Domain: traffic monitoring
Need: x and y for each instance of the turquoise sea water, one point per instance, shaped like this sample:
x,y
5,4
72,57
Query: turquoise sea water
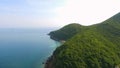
x,y
20,48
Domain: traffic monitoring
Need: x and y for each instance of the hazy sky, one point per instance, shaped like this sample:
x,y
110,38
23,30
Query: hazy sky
x,y
55,13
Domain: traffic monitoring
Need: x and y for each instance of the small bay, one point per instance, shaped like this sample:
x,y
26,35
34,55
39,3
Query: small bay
x,y
25,48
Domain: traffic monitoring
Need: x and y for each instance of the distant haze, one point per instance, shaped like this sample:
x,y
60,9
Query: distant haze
x,y
55,13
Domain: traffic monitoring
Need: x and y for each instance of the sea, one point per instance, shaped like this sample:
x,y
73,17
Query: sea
x,y
25,48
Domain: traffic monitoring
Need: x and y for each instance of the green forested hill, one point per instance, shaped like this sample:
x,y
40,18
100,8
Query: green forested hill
x,y
66,32
96,46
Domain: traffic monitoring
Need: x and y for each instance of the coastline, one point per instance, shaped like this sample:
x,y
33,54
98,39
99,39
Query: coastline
x,y
48,62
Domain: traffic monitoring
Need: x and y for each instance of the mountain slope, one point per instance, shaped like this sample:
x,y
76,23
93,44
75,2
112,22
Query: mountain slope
x,y
86,50
66,32
96,46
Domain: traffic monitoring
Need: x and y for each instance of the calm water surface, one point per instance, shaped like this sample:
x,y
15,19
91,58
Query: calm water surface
x,y
21,48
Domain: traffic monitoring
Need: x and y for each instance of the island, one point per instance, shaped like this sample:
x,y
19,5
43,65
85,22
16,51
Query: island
x,y
95,46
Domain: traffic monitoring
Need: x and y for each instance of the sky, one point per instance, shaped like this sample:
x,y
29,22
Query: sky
x,y
55,13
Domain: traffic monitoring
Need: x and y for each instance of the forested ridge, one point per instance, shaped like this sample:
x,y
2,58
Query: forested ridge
x,y
66,32
95,46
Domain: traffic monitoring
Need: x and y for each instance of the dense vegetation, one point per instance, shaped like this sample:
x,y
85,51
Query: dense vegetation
x,y
66,32
96,46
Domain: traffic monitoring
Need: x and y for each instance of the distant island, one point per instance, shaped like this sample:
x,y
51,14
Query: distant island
x,y
95,46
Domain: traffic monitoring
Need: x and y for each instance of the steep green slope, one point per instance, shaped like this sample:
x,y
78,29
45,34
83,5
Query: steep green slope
x,y
66,32
111,29
96,46
86,50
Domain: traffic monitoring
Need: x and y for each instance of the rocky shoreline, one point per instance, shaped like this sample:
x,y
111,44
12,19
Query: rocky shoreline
x,y
48,63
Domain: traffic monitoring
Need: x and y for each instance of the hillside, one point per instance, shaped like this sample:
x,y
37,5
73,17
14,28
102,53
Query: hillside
x,y
66,32
96,46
